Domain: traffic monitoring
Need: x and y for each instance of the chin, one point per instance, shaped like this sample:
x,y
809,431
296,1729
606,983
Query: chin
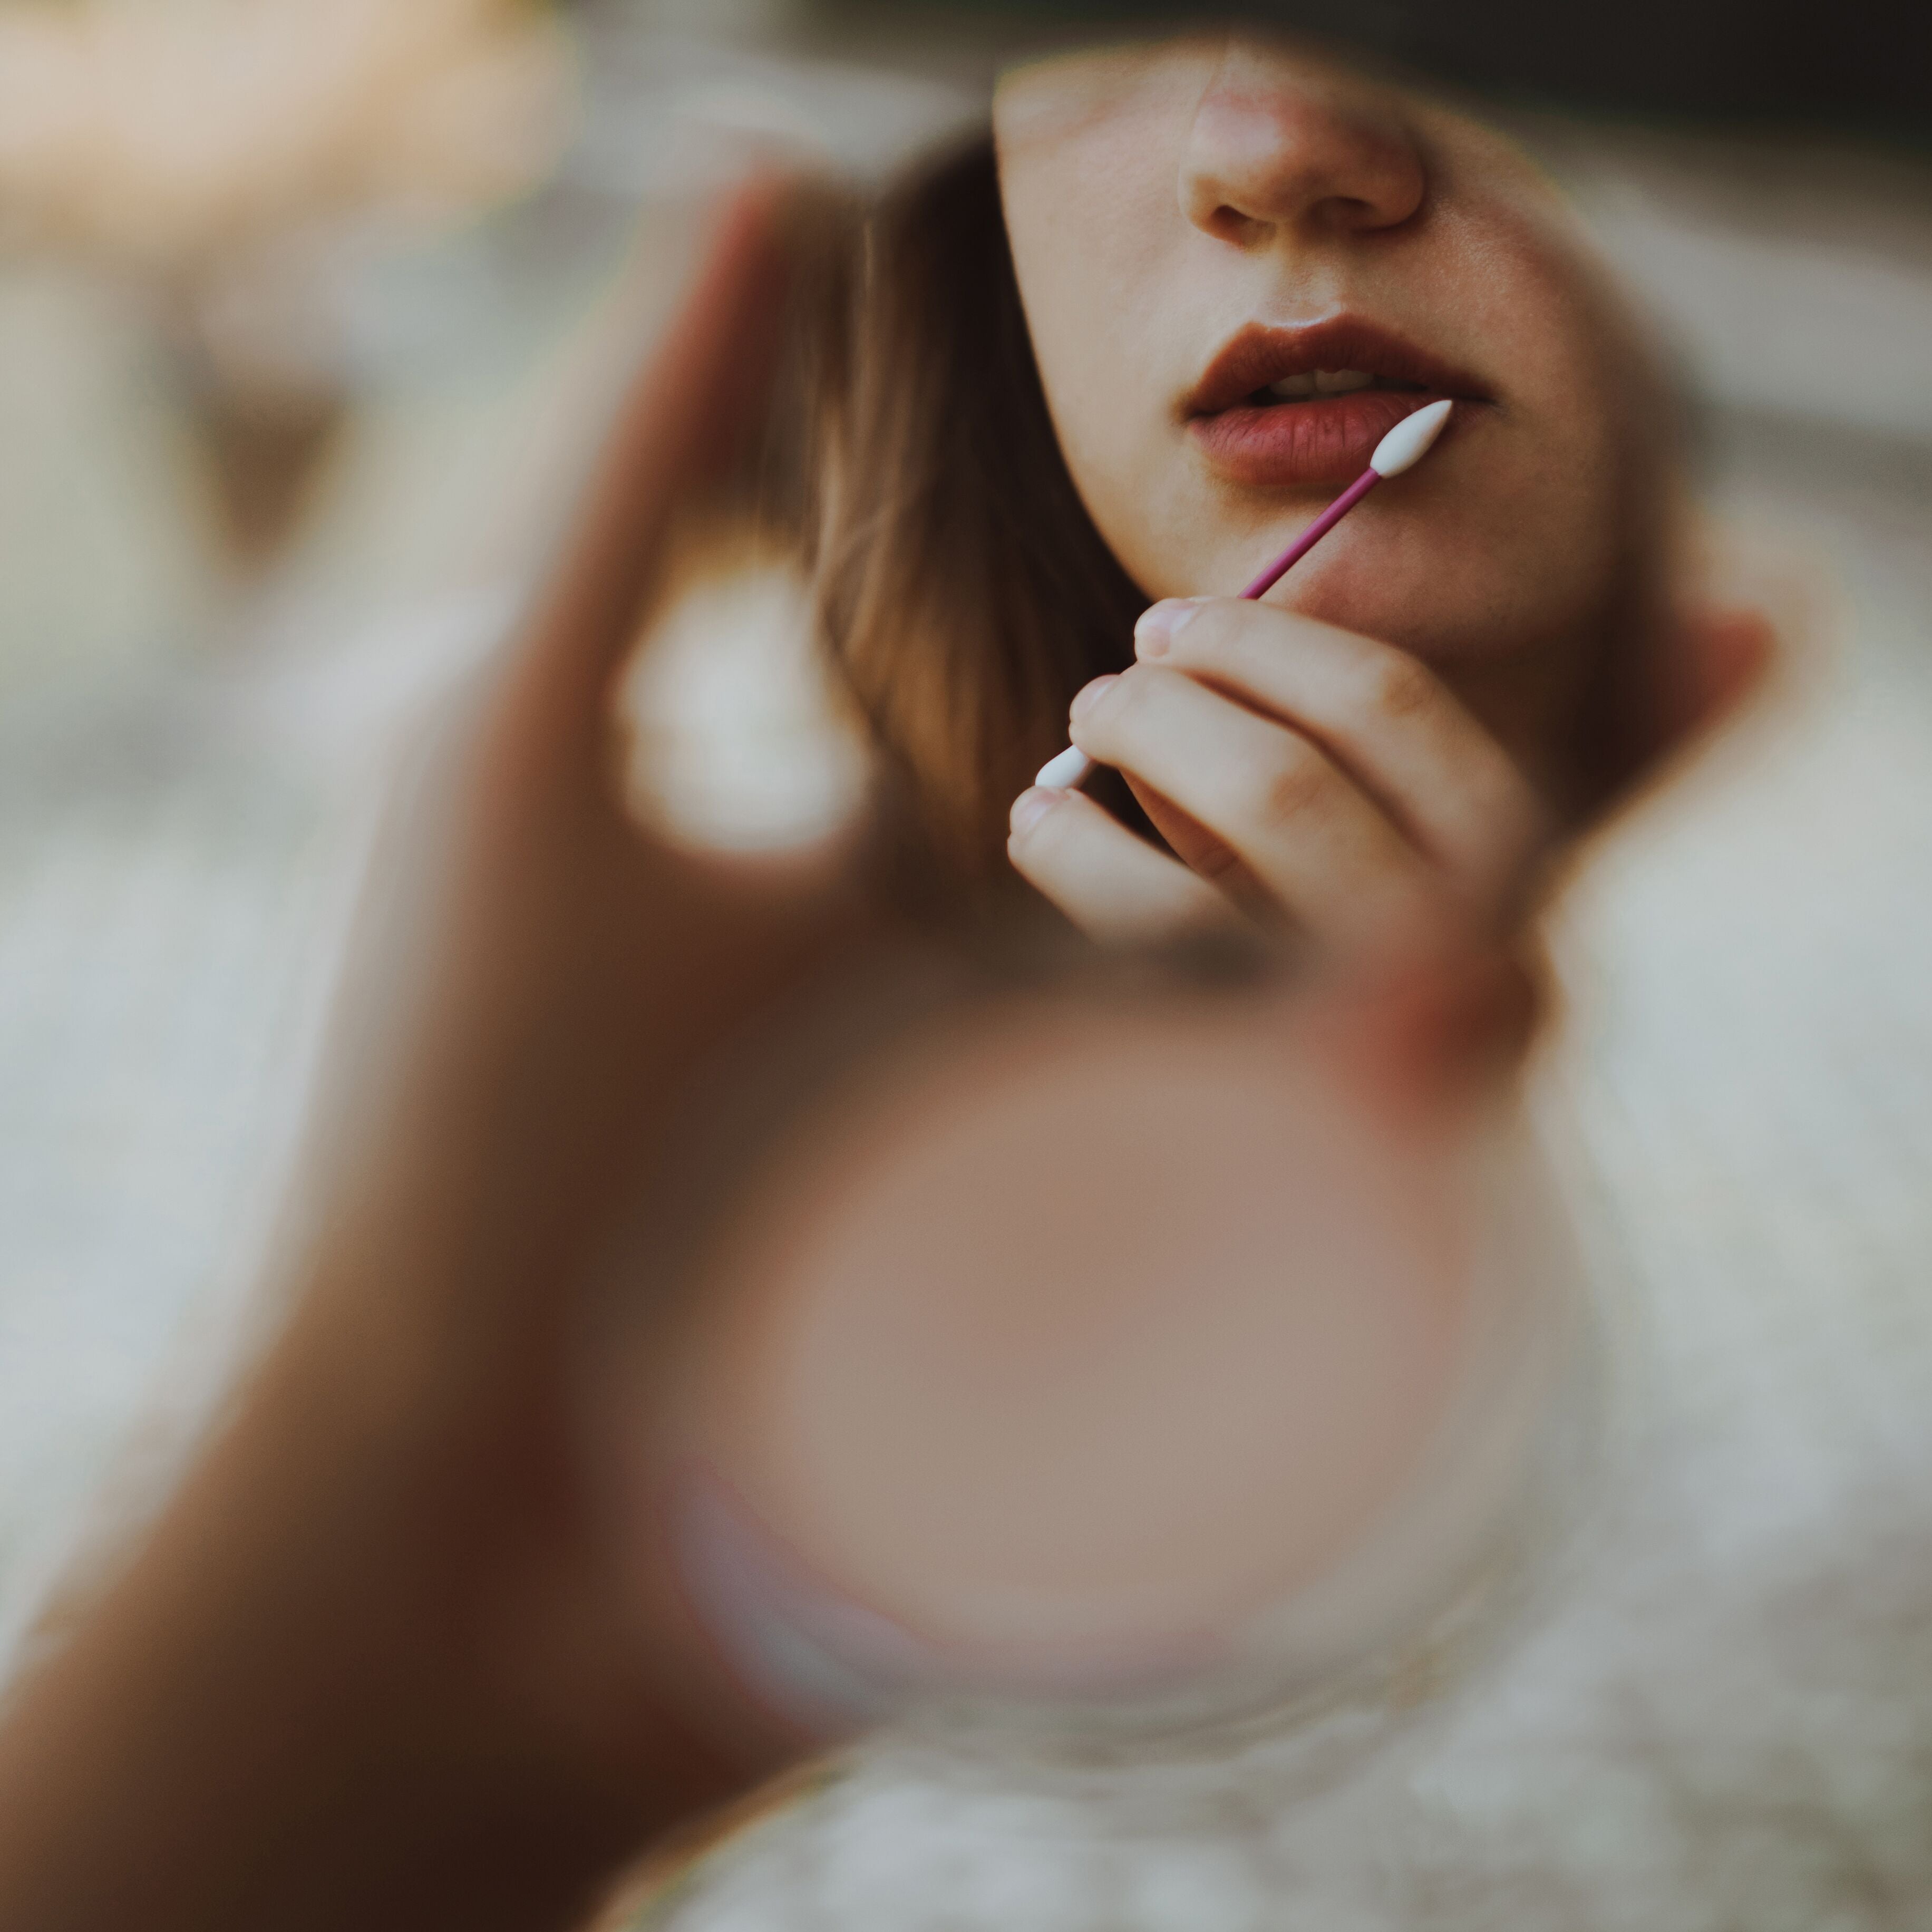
x,y
1444,601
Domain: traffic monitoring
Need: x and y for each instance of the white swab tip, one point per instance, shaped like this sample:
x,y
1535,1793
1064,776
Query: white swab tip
x,y
1408,442
1063,772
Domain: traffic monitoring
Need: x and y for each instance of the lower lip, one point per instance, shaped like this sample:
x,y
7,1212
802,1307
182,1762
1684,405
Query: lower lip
x,y
1328,440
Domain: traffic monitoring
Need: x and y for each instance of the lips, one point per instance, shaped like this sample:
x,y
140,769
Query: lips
x,y
1252,438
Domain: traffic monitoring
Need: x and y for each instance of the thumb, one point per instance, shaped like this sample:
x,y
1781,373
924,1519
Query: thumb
x,y
703,395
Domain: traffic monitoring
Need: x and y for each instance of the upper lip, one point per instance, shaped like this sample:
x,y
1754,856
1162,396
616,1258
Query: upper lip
x,y
1260,353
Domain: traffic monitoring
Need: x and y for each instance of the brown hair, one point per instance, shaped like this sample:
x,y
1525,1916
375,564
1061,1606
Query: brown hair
x,y
963,592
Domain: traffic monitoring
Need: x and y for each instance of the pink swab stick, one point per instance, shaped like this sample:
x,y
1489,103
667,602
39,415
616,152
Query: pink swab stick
x,y
1405,446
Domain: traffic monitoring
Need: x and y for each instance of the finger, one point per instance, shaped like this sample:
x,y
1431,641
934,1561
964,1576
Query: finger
x,y
1210,855
1271,797
681,425
1114,886
1381,713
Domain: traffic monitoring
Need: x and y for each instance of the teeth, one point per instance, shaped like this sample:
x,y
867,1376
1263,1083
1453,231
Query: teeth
x,y
1320,382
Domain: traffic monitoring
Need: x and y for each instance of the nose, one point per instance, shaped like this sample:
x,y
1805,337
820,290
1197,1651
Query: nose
x,y
1276,146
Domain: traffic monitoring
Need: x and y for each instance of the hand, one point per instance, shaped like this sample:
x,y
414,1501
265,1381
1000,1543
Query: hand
x,y
1300,775
371,1667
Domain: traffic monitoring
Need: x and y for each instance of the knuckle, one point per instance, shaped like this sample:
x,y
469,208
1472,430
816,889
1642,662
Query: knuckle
x,y
1122,710
1217,862
1213,621
1221,631
1399,686
1295,783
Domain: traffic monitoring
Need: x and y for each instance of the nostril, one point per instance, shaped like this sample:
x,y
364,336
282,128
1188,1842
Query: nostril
x,y
1268,151
1227,223
1348,213
1204,205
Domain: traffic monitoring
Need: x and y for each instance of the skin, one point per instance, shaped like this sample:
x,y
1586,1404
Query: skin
x,y
1379,748
372,1666
381,1662
1048,1444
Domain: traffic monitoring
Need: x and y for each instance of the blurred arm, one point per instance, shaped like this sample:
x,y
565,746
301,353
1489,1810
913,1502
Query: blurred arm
x,y
368,1669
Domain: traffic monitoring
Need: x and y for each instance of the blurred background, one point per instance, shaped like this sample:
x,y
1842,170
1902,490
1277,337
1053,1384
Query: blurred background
x,y
311,311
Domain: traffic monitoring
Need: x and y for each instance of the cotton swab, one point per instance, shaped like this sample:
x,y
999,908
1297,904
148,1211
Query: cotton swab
x,y
1405,446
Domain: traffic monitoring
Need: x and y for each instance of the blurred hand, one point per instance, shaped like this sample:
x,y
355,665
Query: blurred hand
x,y
370,1669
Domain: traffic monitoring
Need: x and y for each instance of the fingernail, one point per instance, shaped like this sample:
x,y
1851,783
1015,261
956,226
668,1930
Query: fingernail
x,y
1031,807
1065,770
1088,695
1159,622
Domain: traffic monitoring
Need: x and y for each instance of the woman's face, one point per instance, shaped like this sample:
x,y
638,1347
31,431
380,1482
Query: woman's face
x,y
1241,265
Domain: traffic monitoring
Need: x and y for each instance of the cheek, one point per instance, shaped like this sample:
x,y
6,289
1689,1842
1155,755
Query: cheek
x,y
1544,511
1096,235
1501,556
1512,539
